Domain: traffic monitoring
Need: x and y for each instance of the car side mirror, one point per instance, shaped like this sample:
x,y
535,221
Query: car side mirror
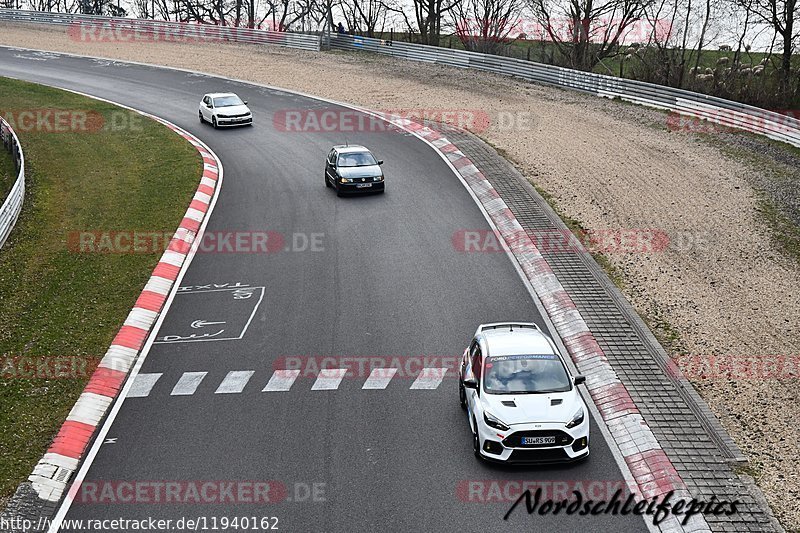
x,y
380,161
245,102
471,383
580,379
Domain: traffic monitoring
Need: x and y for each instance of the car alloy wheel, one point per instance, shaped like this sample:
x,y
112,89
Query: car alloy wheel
x,y
327,183
214,122
200,114
462,396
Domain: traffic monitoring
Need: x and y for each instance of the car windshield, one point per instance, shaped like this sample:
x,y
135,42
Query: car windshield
x,y
227,101
525,374
356,159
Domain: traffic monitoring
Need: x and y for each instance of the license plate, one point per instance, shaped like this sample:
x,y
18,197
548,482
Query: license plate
x,y
363,185
538,440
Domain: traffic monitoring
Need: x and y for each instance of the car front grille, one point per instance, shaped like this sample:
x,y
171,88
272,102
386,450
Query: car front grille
x,y
515,439
538,456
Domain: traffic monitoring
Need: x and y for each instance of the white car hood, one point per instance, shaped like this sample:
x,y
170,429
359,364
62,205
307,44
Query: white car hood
x,y
533,408
232,110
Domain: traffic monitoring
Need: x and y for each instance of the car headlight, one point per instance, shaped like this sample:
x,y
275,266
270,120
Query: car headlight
x,y
377,178
577,420
347,180
494,422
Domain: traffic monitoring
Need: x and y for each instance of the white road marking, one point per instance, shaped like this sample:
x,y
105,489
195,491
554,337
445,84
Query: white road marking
x,y
329,379
234,382
187,385
142,385
281,380
379,378
429,378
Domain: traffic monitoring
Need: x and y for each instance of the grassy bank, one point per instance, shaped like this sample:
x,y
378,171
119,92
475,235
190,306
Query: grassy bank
x,y
7,173
119,172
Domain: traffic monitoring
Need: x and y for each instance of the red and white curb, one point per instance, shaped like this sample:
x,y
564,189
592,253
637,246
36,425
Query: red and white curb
x,y
652,470
53,472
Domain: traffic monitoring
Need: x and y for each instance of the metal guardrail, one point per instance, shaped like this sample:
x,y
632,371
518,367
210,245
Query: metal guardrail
x,y
686,103
94,28
12,205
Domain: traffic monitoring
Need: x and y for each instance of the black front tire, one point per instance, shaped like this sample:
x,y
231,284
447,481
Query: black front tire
x,y
202,120
476,441
462,396
327,183
214,122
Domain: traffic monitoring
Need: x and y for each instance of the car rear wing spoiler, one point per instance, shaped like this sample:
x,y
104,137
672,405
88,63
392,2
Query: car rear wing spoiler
x,y
510,325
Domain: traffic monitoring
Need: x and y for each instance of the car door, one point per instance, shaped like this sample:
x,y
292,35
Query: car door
x,y
474,371
204,108
330,169
209,107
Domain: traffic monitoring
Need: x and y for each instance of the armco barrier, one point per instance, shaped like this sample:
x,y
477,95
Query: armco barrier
x,y
12,205
95,28
717,110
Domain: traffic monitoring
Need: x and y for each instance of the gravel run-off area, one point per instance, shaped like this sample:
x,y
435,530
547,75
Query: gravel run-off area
x,y
721,289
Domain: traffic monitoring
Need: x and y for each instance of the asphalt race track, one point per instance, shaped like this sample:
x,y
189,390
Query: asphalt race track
x,y
386,281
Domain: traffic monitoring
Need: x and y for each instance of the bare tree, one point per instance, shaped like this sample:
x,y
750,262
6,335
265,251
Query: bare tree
x,y
595,27
428,18
365,16
781,16
487,25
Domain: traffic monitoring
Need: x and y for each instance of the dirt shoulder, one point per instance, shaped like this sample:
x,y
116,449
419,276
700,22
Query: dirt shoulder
x,y
722,287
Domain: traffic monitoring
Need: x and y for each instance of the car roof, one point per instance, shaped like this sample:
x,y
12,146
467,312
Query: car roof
x,y
516,341
350,148
219,95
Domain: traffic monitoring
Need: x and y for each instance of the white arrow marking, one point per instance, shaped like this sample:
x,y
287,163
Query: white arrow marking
x,y
197,324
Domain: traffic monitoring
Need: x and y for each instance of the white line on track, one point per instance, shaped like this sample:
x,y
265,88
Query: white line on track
x,y
281,381
142,385
379,378
187,385
234,382
429,378
329,379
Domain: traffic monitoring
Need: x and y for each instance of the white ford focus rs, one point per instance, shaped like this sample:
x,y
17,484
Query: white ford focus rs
x,y
522,403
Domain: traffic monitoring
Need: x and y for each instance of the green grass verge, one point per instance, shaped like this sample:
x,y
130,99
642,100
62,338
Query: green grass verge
x,y
774,175
8,173
59,303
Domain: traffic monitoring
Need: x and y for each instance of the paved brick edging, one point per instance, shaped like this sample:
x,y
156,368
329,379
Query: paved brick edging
x,y
53,472
652,469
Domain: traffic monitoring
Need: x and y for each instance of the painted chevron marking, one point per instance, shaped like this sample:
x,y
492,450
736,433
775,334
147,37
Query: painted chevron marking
x,y
281,381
